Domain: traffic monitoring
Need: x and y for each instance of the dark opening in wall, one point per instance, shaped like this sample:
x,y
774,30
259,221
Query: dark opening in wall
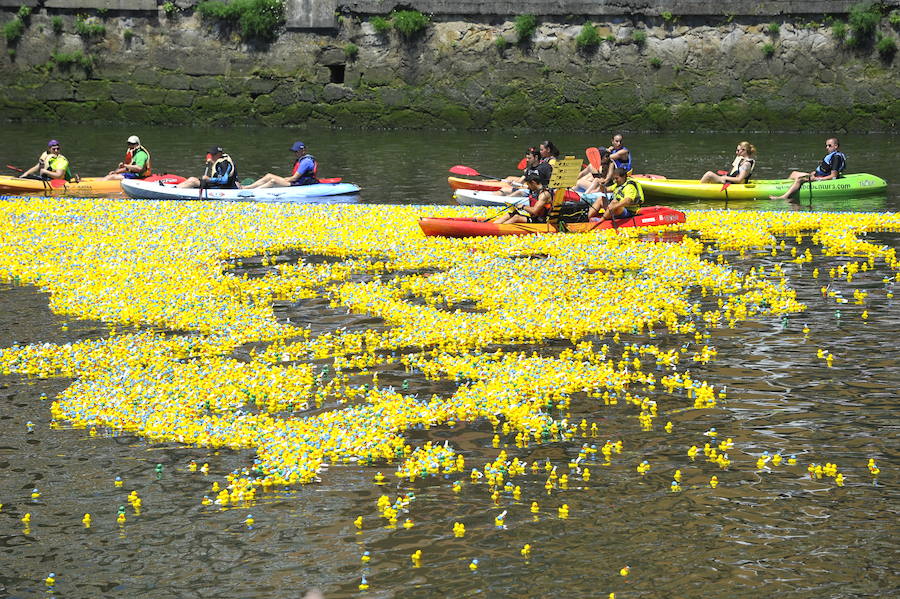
x,y
337,72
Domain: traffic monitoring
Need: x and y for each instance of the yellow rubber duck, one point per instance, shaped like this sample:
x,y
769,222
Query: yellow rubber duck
x,y
26,519
35,494
363,584
839,479
365,557
534,507
776,459
118,482
525,551
121,518
675,487
692,452
714,482
677,476
407,524
473,565
625,571
51,579
249,520
379,478
416,558
358,523
792,461
86,520
563,511
669,426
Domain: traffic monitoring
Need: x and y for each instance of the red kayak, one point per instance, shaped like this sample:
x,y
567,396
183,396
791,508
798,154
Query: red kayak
x,y
649,216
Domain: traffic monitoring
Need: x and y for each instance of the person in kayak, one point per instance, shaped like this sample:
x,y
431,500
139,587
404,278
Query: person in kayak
x,y
50,165
740,170
220,172
539,201
626,201
533,164
136,164
549,152
620,155
593,180
302,173
831,167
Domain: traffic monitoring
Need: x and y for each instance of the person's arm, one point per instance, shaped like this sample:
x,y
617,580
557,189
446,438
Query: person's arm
x,y
31,171
222,178
621,155
538,207
59,172
137,163
742,175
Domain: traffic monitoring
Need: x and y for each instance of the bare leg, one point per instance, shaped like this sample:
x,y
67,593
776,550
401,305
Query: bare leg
x,y
798,181
189,182
269,180
711,177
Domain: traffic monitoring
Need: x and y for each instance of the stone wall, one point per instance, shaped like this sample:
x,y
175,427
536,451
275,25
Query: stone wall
x,y
720,72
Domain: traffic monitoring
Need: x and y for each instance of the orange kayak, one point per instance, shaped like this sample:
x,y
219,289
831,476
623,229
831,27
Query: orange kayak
x,y
495,185
649,216
88,186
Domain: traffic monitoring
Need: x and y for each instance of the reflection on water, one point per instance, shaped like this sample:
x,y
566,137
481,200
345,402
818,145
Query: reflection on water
x,y
760,533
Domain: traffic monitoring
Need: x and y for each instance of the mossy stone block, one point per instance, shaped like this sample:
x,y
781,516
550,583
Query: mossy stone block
x,y
179,98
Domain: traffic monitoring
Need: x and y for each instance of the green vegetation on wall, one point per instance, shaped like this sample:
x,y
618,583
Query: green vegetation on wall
x,y
588,38
525,27
256,19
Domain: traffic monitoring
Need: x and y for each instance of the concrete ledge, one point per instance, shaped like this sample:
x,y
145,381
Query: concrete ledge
x,y
310,14
118,5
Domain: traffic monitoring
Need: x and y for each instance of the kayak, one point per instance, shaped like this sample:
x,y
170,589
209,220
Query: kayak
x,y
649,216
496,185
848,186
158,191
469,197
87,186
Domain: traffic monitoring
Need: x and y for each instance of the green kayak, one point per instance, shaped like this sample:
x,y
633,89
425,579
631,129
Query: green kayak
x,y
848,186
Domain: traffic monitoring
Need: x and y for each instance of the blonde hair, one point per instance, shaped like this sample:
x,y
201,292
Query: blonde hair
x,y
748,147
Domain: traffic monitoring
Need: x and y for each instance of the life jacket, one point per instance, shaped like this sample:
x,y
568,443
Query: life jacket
x,y
626,165
533,197
637,201
222,166
48,161
129,156
306,179
738,163
835,161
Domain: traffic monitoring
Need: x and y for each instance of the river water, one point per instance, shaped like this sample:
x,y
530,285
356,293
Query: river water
x,y
766,533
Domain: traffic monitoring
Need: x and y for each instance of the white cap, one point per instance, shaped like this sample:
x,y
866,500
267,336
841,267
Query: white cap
x,y
134,139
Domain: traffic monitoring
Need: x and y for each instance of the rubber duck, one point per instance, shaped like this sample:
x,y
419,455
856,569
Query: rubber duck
x,y
358,523
500,520
459,529
159,471
204,469
206,500
408,523
677,476
675,487
643,467
51,579
692,452
121,518
473,565
563,511
86,520
714,482
416,558
776,459
839,479
30,426
363,584
711,433
365,557
586,474
669,426
35,494
379,478
215,487
792,461
249,520
118,482
534,507
873,467
26,519
525,551
625,571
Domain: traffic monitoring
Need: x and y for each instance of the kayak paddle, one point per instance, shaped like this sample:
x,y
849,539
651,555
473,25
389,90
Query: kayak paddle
x,y
15,168
522,164
725,189
593,156
470,172
331,180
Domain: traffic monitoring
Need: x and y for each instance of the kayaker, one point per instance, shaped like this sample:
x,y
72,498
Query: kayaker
x,y
302,173
593,180
539,200
220,172
50,165
626,201
620,155
533,164
136,164
830,168
740,170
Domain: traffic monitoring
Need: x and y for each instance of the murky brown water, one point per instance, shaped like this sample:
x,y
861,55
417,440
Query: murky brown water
x,y
759,534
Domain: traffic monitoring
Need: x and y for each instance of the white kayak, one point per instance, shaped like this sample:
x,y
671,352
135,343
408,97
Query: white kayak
x,y
318,192
470,197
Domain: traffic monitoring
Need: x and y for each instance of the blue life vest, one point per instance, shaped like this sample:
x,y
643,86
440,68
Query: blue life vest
x,y
307,167
626,165
836,161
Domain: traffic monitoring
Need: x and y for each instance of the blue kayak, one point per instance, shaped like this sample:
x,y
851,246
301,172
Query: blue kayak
x,y
144,190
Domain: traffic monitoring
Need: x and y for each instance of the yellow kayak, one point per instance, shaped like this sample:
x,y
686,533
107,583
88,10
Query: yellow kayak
x,y
88,186
848,186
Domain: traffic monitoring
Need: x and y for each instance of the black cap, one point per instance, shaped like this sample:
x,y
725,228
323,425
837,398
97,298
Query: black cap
x,y
216,150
